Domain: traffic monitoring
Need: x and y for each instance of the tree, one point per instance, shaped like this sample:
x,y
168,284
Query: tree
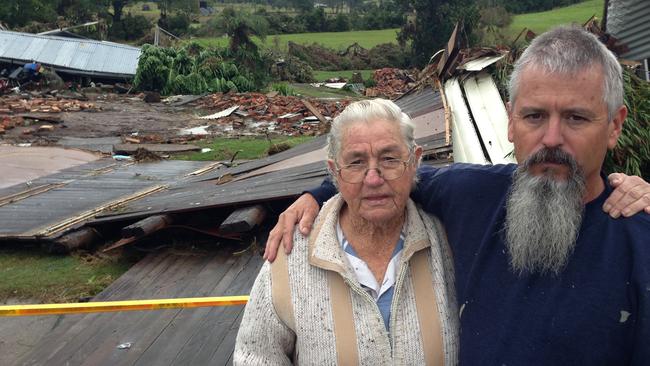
x,y
79,11
183,6
19,13
118,9
316,20
241,26
433,24
302,6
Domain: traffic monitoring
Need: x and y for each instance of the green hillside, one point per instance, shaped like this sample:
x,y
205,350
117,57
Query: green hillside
x,y
542,21
336,40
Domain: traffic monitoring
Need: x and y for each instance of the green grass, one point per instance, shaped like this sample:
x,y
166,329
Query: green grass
x,y
543,21
31,274
324,75
335,40
251,148
307,90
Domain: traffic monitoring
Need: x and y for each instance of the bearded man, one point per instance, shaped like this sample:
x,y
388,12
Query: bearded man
x,y
543,275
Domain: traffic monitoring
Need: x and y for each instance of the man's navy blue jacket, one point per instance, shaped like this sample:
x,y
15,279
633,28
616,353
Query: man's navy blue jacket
x,y
595,312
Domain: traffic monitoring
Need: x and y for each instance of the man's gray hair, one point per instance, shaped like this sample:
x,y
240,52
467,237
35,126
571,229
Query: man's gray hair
x,y
569,50
366,111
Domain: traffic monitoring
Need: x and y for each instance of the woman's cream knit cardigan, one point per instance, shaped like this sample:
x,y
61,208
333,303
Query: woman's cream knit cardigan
x,y
263,338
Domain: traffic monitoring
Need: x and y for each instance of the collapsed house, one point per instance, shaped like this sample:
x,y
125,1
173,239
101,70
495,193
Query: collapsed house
x,y
71,56
459,115
126,203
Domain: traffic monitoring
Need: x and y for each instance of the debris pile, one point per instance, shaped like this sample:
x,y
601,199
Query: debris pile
x,y
18,104
271,112
390,83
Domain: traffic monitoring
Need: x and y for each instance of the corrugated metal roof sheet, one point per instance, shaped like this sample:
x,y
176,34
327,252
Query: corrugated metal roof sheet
x,y
416,103
480,63
490,116
274,185
467,144
79,56
77,192
629,21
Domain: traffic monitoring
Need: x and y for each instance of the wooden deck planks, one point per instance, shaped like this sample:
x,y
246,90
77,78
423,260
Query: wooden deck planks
x,y
161,337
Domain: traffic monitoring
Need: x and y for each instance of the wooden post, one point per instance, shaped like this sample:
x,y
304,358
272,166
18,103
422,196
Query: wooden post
x,y
78,239
441,90
243,219
147,226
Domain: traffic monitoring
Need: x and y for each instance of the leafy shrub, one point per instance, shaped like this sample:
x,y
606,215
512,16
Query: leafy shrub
x,y
154,67
388,55
172,71
284,89
182,64
369,83
188,84
632,153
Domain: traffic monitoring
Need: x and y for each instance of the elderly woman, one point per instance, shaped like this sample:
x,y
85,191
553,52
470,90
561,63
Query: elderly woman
x,y
363,288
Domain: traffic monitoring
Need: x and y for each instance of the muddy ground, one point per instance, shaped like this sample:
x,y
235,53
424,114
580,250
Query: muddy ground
x,y
114,115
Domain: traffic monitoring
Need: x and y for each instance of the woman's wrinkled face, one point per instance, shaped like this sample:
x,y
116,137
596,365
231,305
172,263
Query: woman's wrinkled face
x,y
375,199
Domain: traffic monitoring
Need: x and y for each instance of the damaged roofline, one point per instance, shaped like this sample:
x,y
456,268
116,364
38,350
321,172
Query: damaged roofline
x,y
65,70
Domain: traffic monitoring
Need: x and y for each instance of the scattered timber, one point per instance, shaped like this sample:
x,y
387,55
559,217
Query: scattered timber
x,y
157,148
78,239
147,226
243,219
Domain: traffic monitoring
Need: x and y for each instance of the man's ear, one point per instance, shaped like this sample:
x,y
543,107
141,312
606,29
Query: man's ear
x,y
510,131
418,155
616,127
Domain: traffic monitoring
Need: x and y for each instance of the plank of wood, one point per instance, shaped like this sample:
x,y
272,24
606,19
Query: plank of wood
x,y
314,111
42,117
199,344
221,329
181,329
157,148
243,219
224,352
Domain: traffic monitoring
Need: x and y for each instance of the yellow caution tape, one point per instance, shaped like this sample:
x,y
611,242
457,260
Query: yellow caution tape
x,y
130,305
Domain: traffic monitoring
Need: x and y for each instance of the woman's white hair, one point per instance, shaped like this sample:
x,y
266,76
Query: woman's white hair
x,y
367,111
570,50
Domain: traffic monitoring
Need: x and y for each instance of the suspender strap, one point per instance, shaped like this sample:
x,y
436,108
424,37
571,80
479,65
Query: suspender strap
x,y
344,333
280,291
427,307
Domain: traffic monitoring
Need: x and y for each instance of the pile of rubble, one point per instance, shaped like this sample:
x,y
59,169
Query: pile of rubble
x,y
288,115
39,114
390,83
18,104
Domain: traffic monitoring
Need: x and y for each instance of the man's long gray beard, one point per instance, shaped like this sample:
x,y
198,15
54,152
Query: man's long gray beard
x,y
544,215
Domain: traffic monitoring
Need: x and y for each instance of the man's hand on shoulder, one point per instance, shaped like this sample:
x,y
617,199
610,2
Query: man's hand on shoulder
x,y
631,195
303,212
